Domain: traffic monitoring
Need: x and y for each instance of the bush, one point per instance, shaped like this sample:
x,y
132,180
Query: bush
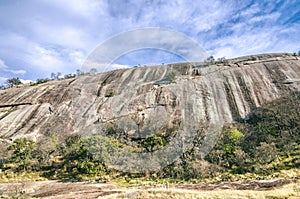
x,y
226,149
110,94
88,155
39,81
22,153
231,138
68,76
13,82
152,143
266,153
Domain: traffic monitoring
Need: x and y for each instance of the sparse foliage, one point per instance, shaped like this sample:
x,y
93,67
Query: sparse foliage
x,y
41,81
79,72
152,143
93,71
210,59
13,82
69,76
110,94
55,75
22,152
221,59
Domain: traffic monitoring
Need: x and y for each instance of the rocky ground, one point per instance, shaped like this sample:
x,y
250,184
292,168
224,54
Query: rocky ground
x,y
278,188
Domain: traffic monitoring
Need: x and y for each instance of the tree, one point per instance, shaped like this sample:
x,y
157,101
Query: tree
x,y
225,152
41,81
221,59
231,137
53,76
93,71
13,82
2,87
88,155
69,76
58,74
152,143
22,152
210,59
79,72
266,153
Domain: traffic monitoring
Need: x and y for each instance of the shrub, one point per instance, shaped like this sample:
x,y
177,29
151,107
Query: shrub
x,y
210,59
22,153
231,138
39,81
266,153
110,94
68,76
152,143
13,82
88,155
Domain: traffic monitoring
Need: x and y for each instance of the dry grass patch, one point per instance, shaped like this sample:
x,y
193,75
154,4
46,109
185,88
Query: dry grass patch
x,y
288,191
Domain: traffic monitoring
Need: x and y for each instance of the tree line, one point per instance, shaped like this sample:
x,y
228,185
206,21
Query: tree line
x,y
16,81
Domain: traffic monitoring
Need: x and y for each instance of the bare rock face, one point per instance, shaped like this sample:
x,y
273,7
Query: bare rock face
x,y
147,100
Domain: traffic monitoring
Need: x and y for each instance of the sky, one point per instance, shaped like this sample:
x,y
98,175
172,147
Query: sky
x,y
38,37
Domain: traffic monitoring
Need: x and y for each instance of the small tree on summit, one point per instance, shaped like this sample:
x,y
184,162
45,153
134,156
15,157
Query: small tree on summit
x,y
55,75
93,71
210,59
13,82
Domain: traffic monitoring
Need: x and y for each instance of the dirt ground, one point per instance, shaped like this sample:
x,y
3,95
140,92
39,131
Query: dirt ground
x,y
77,190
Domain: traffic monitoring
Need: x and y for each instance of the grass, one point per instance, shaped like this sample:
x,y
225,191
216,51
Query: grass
x,y
9,176
287,191
7,110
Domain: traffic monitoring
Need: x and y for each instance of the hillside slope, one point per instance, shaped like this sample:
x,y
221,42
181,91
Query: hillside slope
x,y
148,100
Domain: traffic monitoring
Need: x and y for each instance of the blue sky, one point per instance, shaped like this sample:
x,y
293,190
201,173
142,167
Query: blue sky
x,y
38,37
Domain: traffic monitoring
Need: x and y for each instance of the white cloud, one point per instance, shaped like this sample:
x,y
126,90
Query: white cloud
x,y
85,8
118,66
3,80
77,57
249,12
101,67
25,81
273,17
52,36
5,68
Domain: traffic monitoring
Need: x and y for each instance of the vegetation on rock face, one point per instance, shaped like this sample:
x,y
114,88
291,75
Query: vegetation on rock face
x,y
110,94
210,60
168,79
13,82
152,143
264,143
22,153
39,81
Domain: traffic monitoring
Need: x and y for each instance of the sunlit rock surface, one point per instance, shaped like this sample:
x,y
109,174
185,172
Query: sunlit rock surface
x,y
148,100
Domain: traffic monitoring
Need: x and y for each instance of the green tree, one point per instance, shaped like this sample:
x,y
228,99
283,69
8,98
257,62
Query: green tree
x,y
231,138
266,153
227,152
13,82
152,143
87,156
210,59
93,71
22,152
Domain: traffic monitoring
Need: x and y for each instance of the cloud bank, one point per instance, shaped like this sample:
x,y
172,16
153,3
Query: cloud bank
x,y
40,37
